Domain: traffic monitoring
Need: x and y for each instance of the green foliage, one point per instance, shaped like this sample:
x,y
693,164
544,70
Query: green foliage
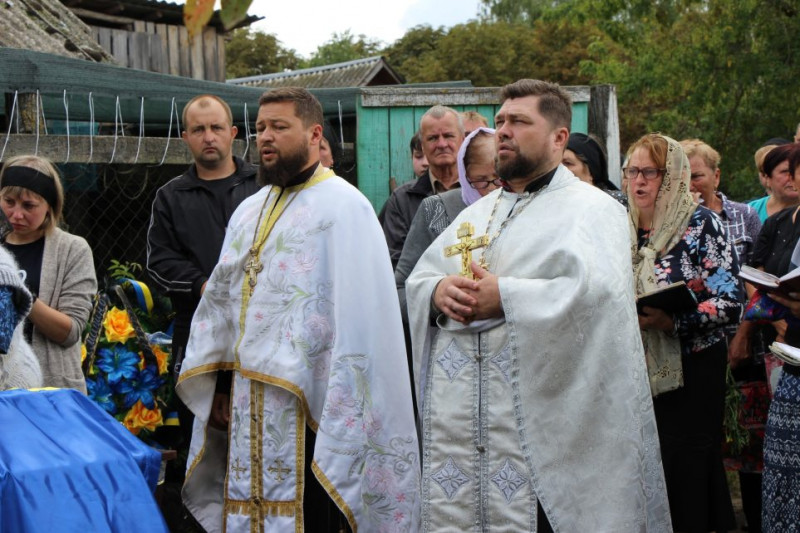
x,y
343,47
250,53
719,70
414,55
127,269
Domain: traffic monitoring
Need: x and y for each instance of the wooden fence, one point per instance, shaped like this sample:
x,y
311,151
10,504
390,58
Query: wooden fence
x,y
166,48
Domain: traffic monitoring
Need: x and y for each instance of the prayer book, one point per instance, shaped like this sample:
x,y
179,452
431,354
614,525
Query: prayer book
x,y
786,353
674,298
769,283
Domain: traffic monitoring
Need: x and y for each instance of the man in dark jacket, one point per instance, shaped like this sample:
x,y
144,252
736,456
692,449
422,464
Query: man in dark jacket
x,y
442,132
190,214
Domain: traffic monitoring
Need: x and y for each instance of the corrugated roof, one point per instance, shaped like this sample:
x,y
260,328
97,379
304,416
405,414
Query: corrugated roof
x,y
47,26
365,72
149,10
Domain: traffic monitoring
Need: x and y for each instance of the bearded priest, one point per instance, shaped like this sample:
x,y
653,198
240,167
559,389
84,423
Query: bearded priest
x,y
295,362
536,411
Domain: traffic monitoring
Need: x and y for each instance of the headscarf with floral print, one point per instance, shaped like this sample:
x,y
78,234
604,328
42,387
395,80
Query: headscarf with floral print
x,y
674,208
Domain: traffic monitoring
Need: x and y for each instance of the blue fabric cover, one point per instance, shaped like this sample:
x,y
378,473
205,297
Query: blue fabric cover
x,y
67,466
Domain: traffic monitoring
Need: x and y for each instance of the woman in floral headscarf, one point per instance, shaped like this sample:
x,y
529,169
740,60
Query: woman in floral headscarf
x,y
674,239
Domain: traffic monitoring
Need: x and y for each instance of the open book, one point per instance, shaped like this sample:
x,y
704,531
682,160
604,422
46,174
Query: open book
x,y
786,353
674,298
769,283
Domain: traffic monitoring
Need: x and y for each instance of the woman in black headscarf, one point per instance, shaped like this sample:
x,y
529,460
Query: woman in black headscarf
x,y
585,158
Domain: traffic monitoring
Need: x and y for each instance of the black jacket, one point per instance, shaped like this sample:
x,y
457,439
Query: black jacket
x,y
187,228
399,211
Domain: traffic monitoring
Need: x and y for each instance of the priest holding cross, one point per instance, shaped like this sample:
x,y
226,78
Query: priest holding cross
x,y
536,411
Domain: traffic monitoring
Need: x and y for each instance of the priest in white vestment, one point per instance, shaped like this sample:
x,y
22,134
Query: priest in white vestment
x,y
302,311
536,411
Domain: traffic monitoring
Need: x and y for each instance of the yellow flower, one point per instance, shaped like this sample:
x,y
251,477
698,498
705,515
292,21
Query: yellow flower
x,y
83,353
162,357
140,417
118,325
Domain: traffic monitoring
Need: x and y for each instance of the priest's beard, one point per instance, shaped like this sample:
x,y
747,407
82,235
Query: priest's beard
x,y
521,167
285,167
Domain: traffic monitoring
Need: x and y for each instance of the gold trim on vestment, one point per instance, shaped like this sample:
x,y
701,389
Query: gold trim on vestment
x,y
256,457
199,456
300,466
286,385
262,507
335,496
204,369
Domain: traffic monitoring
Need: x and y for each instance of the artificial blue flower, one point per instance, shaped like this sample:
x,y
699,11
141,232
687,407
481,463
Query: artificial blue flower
x,y
142,386
101,393
118,363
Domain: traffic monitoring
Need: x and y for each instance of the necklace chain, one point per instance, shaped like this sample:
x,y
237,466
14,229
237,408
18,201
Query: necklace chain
x,y
515,210
254,264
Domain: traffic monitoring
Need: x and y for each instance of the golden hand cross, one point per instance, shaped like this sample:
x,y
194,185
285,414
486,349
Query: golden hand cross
x,y
465,247
253,267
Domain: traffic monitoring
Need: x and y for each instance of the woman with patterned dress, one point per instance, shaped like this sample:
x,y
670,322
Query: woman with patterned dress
x,y
674,239
776,252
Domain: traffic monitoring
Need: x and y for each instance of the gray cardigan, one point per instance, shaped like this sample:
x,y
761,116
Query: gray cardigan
x,y
435,213
68,284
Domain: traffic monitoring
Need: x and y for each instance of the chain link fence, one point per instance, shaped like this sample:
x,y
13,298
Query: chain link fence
x,y
109,206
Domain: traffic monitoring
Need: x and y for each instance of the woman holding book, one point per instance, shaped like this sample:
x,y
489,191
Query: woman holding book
x,y
776,253
674,239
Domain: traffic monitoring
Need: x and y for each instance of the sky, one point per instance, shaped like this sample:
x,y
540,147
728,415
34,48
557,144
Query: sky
x,y
303,25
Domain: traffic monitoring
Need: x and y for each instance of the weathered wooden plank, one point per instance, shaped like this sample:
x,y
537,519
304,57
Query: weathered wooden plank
x,y
427,97
210,70
54,147
158,58
173,48
139,49
119,47
488,111
418,112
221,63
372,152
196,62
580,117
104,38
139,26
184,52
604,124
150,27
401,128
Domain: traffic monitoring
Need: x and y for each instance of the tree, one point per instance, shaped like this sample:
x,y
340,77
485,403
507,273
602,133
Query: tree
x,y
343,47
719,70
250,53
495,53
414,54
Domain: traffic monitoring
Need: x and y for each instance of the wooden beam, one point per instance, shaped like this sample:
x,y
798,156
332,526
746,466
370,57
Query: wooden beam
x,y
87,14
54,148
414,97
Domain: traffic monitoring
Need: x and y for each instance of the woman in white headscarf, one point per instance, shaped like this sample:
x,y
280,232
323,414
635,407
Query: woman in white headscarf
x,y
477,177
674,239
